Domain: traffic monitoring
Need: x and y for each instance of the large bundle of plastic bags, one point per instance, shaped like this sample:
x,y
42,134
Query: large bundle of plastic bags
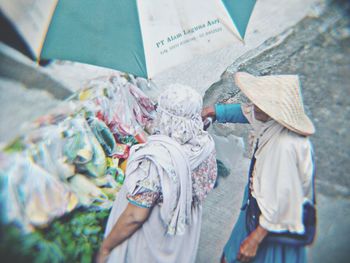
x,y
76,155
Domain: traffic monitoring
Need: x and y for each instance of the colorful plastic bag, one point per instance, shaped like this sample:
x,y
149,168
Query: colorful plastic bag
x,y
83,149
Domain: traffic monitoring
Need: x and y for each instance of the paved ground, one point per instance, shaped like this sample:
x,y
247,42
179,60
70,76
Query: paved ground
x,y
38,101
26,92
222,205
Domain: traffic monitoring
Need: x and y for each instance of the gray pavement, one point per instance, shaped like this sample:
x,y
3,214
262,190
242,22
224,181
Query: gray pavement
x,y
34,103
222,205
26,92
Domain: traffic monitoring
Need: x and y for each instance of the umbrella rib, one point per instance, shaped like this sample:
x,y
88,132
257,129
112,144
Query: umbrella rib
x,y
140,63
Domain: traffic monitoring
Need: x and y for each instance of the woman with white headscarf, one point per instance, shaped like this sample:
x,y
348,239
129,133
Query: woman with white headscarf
x,y
281,171
157,214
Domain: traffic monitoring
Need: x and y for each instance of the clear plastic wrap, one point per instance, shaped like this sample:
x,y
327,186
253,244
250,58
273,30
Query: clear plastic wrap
x,y
82,148
30,195
48,152
88,193
61,162
120,104
103,135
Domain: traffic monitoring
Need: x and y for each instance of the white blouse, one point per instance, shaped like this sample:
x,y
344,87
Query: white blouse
x,y
282,176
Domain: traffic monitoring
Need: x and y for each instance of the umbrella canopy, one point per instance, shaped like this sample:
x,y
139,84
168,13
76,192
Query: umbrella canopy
x,y
143,37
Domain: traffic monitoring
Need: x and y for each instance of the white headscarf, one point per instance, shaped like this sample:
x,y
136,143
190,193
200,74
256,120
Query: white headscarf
x,y
262,131
179,117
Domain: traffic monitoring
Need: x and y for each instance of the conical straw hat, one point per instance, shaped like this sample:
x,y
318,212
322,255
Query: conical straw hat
x,y
278,96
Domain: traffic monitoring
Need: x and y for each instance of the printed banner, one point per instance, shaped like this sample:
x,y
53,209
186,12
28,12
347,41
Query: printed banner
x,y
175,31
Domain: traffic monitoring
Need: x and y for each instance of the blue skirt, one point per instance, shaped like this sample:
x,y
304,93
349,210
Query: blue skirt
x,y
267,253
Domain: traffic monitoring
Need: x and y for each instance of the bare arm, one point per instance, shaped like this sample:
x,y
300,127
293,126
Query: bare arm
x,y
128,223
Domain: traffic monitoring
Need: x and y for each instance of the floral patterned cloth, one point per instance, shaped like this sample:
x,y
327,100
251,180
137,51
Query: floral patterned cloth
x,y
149,192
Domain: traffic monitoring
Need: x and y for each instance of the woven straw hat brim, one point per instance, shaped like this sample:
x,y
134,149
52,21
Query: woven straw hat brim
x,y
278,96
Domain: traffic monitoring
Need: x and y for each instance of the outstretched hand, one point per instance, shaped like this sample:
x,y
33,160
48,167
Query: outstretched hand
x,y
209,112
208,116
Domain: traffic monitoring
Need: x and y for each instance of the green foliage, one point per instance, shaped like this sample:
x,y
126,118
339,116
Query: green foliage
x,y
15,146
75,237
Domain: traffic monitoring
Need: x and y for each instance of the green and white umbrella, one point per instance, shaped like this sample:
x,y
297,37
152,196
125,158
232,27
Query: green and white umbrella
x,y
142,37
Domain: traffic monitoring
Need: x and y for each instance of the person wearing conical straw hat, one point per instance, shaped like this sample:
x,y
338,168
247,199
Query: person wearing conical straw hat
x,y
281,171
